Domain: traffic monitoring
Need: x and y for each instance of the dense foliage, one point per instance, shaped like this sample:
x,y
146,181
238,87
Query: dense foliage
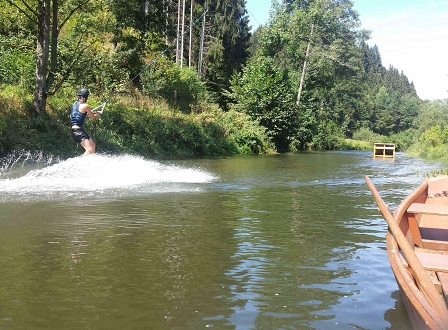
x,y
307,80
340,82
129,125
432,130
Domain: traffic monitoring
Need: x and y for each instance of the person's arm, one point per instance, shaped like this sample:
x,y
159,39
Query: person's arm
x,y
86,109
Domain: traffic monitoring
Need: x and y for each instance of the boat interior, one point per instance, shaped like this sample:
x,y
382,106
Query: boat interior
x,y
426,229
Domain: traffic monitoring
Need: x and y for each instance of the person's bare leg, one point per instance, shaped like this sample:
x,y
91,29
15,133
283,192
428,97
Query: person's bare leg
x,y
89,146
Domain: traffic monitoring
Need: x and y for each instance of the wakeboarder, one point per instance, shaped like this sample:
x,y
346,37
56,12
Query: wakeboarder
x,y
80,110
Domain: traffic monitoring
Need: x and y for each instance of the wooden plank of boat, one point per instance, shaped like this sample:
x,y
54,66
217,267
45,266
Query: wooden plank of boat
x,y
431,261
425,306
428,209
435,280
443,278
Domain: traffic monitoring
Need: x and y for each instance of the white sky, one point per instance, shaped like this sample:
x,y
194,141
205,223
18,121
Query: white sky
x,y
412,35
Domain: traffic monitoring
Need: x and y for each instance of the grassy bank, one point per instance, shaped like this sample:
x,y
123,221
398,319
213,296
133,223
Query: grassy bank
x,y
135,125
351,144
142,126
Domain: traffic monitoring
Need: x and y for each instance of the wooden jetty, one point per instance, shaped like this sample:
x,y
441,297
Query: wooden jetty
x,y
384,150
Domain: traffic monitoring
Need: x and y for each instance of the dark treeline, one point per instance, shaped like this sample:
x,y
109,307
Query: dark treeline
x,y
308,77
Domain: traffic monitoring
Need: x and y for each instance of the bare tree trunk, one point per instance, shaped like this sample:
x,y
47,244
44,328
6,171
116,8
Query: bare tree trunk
x,y
191,33
178,28
42,54
302,79
54,46
177,47
166,21
201,48
182,40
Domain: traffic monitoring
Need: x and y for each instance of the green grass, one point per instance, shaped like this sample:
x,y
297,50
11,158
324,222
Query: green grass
x,y
351,144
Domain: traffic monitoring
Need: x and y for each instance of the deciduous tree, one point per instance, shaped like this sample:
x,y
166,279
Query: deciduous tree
x,y
49,17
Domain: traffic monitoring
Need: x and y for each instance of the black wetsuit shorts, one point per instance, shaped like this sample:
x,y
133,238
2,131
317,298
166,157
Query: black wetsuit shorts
x,y
79,134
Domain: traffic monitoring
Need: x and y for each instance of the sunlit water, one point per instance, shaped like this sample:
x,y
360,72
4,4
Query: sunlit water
x,y
265,242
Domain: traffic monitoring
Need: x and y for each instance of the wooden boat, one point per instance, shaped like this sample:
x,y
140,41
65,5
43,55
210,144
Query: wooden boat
x,y
417,247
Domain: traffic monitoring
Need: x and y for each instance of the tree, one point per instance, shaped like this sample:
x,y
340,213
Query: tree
x,y
320,34
141,31
384,122
432,113
228,43
49,18
17,49
262,92
316,41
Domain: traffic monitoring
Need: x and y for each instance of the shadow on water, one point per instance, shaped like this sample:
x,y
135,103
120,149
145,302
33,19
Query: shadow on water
x,y
397,316
290,241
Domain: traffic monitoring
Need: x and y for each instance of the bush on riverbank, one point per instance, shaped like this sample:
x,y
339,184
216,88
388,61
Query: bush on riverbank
x,y
364,138
134,124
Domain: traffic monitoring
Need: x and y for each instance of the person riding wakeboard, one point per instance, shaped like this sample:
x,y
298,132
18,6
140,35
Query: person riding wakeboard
x,y
80,110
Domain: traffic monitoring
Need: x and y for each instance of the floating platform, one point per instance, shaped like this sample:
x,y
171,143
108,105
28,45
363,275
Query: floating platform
x,y
384,150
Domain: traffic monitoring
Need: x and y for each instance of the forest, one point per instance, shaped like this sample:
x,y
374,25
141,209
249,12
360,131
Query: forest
x,y
193,78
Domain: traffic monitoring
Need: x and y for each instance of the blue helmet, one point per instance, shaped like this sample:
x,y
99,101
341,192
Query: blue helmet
x,y
84,92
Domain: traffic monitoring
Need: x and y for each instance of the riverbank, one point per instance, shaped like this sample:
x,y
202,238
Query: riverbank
x,y
141,126
134,125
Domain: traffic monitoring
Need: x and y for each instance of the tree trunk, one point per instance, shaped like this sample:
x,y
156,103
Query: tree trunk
x,y
191,33
178,28
201,47
302,79
54,46
42,52
182,36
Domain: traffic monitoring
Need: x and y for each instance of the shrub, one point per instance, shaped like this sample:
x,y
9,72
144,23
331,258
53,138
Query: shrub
x,y
163,78
365,134
404,140
329,136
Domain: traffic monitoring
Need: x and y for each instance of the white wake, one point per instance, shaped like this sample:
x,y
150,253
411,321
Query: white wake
x,y
103,173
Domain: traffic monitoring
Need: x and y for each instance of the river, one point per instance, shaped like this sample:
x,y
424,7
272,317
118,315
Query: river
x,y
291,241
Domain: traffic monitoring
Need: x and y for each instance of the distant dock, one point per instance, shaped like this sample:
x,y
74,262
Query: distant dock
x,y
384,150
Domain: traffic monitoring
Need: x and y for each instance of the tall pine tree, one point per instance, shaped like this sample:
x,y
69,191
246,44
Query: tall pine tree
x,y
228,43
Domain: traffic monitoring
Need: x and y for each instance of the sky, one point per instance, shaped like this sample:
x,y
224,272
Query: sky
x,y
411,35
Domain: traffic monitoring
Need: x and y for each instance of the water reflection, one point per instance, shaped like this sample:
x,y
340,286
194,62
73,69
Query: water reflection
x,y
248,273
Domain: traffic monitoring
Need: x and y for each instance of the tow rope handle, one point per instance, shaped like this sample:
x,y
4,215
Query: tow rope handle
x,y
102,106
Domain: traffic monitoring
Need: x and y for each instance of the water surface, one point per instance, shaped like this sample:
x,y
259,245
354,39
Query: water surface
x,y
289,241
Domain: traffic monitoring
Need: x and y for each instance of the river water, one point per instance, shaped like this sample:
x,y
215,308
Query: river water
x,y
291,241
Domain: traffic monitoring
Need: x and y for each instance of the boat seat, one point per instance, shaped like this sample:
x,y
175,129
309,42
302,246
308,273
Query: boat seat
x,y
433,261
433,209
428,224
436,262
